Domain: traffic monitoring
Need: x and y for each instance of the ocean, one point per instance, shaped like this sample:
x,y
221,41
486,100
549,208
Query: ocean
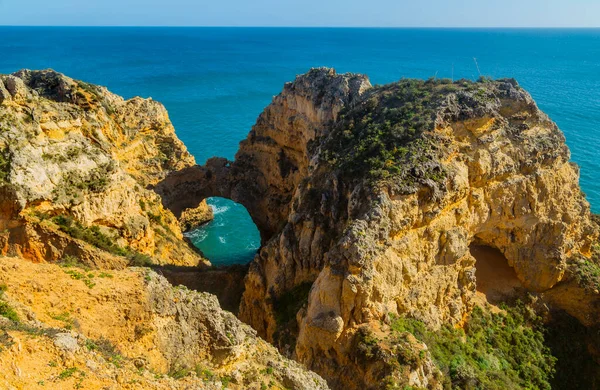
x,y
216,81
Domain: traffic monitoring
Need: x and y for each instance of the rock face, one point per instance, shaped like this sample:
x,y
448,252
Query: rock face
x,y
274,158
191,218
76,164
368,200
129,329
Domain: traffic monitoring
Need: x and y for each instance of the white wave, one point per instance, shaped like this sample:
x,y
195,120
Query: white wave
x,y
252,246
222,239
197,235
219,209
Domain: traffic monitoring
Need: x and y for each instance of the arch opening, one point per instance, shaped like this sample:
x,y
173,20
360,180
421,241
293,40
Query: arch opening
x,y
230,238
496,280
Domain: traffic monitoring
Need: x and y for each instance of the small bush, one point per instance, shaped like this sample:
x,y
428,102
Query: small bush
x,y
382,136
8,312
69,261
94,236
179,373
587,271
290,302
69,372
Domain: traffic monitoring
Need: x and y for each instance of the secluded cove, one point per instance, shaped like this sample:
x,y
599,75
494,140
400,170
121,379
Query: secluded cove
x,y
230,238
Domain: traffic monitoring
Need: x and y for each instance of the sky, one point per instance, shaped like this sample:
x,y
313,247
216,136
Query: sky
x,y
309,13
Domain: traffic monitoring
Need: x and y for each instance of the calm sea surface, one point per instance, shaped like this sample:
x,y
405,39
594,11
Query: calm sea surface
x,y
215,82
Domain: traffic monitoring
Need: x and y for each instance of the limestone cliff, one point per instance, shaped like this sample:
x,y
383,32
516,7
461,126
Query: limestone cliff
x,y
369,199
77,162
78,165
274,158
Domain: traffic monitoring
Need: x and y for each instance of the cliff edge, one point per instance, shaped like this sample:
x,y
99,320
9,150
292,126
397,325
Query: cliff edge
x,y
77,164
375,205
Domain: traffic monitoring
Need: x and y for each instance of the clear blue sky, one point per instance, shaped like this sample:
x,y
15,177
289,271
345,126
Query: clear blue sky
x,y
379,13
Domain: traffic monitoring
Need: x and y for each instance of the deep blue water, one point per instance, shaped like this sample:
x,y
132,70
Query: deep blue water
x,y
215,81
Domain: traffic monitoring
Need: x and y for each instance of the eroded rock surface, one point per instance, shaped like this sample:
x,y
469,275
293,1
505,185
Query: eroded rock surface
x,y
128,329
274,158
76,164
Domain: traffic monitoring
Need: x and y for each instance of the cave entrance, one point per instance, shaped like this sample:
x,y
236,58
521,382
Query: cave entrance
x,y
496,280
230,238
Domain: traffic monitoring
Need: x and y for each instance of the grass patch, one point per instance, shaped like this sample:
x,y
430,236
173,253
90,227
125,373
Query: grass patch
x,y
6,310
107,350
94,236
69,261
69,372
85,278
65,318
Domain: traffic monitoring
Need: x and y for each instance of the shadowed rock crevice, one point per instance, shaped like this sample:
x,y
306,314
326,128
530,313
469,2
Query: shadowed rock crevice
x,y
495,278
227,283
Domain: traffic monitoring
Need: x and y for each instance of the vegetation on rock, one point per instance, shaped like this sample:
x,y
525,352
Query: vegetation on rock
x,y
503,350
384,136
94,236
286,308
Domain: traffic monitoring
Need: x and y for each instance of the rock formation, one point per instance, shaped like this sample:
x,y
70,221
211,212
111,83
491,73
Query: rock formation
x,y
127,329
274,158
376,206
76,164
369,198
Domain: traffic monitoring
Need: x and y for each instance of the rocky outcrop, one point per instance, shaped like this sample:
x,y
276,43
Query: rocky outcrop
x,y
76,164
194,217
368,200
128,329
274,158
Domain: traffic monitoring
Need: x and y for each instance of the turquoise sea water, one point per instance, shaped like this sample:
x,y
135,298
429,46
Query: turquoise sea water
x,y
215,81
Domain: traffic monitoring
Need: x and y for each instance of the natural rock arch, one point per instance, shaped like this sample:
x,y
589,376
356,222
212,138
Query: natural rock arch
x,y
274,159
371,252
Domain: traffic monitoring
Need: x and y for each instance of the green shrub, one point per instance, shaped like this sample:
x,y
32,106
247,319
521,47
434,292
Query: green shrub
x,y
8,312
179,373
69,261
587,271
107,350
286,307
494,351
67,373
383,133
94,236
288,304
386,136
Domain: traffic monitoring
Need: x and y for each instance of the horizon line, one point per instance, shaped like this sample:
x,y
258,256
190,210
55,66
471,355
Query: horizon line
x,y
315,27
